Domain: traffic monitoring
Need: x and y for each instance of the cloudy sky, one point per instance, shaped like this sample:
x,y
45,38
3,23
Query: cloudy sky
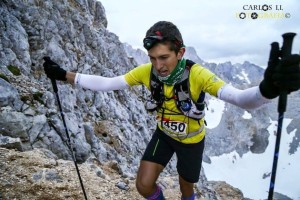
x,y
213,27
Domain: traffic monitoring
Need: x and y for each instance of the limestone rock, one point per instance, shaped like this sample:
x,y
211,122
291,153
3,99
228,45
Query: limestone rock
x,y
39,174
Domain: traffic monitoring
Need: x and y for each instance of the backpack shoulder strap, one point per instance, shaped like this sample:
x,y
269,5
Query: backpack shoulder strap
x,y
200,101
156,87
189,63
182,89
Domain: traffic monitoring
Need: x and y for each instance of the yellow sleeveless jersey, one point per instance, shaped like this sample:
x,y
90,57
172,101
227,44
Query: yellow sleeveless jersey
x,y
172,120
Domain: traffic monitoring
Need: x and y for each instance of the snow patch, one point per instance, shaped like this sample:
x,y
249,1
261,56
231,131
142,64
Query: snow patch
x,y
214,113
247,115
245,75
247,172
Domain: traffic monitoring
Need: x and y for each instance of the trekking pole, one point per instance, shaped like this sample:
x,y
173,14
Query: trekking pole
x,y
285,51
55,89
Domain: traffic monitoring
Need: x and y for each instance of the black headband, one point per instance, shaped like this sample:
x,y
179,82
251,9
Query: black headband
x,y
150,41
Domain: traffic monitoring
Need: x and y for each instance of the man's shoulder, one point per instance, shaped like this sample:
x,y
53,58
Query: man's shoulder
x,y
139,75
141,68
145,66
197,69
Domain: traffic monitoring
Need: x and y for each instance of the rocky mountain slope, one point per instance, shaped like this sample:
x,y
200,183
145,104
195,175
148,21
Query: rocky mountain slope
x,y
105,127
39,174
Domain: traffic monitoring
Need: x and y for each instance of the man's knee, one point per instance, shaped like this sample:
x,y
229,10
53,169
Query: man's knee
x,y
144,186
146,177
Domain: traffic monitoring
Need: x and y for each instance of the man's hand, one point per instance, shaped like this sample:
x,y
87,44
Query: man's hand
x,y
287,74
267,87
53,70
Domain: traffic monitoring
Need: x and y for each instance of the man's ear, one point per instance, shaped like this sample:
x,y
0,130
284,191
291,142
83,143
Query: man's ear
x,y
180,53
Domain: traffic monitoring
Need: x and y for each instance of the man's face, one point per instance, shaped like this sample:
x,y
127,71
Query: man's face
x,y
163,59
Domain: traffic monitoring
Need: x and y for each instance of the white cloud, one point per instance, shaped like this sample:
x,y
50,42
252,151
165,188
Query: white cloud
x,y
211,26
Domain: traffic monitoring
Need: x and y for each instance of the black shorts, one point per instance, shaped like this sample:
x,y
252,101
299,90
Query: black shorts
x,y
189,156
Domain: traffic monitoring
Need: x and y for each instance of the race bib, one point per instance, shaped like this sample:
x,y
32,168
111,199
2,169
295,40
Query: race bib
x,y
175,127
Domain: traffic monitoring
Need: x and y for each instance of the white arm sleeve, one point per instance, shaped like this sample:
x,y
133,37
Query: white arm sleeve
x,y
100,83
250,98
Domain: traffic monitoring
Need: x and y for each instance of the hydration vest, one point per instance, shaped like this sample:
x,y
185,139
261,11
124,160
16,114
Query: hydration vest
x,y
182,95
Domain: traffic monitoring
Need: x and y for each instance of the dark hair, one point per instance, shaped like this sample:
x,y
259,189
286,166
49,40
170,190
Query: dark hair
x,y
164,32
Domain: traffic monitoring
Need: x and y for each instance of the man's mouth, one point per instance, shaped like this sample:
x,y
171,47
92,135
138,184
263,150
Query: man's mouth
x,y
163,73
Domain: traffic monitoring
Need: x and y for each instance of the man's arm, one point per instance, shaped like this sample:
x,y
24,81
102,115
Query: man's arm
x,y
280,74
99,83
250,98
92,82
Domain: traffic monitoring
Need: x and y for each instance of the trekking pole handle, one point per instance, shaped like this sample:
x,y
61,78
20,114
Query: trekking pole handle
x,y
286,50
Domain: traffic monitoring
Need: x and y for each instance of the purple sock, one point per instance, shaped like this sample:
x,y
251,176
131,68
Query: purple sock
x,y
189,198
157,195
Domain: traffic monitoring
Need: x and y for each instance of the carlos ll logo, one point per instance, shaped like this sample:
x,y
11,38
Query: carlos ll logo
x,y
264,11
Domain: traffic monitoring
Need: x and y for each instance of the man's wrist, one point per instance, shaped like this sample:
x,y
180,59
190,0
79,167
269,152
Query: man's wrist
x,y
70,76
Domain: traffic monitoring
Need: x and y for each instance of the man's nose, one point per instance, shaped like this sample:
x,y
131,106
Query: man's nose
x,y
159,64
